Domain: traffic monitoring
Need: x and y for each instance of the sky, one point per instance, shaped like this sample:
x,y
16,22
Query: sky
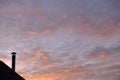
x,y
62,39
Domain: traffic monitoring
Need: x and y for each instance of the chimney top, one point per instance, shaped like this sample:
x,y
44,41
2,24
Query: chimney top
x,y
13,53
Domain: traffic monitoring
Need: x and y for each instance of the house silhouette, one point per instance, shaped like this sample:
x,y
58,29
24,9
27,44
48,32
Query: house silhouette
x,y
7,73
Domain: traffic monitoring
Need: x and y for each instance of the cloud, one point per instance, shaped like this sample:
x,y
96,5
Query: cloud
x,y
105,62
4,58
62,40
59,73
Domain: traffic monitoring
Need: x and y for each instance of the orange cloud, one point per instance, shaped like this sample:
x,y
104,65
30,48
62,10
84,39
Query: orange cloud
x,y
84,25
41,55
30,32
47,30
102,55
44,78
98,54
45,60
3,58
64,73
107,31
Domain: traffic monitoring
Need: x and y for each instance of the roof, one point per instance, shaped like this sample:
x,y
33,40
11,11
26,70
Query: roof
x,y
6,73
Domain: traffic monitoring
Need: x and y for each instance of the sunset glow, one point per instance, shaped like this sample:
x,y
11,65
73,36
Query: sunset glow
x,y
62,39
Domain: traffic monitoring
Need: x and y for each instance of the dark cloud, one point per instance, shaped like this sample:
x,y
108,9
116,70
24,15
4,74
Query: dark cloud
x,y
3,1
105,52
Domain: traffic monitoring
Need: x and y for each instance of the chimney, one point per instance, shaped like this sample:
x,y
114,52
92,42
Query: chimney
x,y
13,61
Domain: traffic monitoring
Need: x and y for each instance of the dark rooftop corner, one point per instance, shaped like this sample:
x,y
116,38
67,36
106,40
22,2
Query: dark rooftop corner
x,y
7,73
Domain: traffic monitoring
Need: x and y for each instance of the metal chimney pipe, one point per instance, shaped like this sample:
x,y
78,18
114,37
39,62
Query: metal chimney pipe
x,y
13,60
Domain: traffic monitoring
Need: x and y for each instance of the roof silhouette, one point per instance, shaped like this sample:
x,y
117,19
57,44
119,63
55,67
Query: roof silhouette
x,y
6,73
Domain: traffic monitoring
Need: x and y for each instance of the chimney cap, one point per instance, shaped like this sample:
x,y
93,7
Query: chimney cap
x,y
13,53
